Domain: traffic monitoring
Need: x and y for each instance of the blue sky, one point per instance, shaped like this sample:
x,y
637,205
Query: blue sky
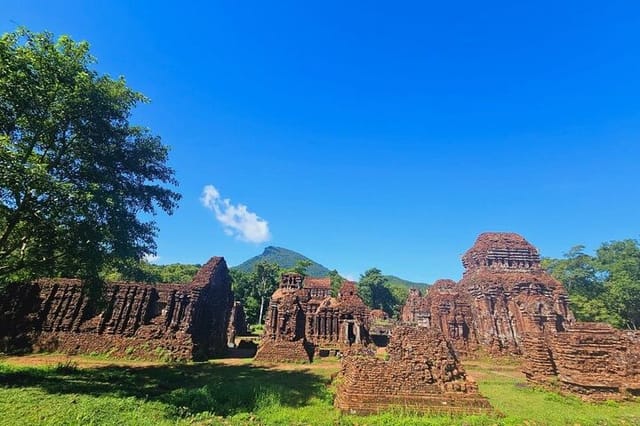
x,y
383,134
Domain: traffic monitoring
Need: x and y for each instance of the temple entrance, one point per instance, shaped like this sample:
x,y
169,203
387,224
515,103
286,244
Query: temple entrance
x,y
351,336
350,331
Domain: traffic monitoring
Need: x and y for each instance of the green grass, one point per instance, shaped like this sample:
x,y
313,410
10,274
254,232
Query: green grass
x,y
216,393
527,405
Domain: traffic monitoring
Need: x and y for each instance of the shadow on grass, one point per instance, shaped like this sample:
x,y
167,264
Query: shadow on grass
x,y
186,388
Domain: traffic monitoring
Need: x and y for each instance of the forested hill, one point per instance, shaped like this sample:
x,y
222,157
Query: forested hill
x,y
405,283
285,258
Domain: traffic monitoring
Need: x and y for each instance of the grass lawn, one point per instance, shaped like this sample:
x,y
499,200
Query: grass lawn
x,y
57,390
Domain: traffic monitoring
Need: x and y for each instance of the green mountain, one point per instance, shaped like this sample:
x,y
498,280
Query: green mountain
x,y
393,280
285,259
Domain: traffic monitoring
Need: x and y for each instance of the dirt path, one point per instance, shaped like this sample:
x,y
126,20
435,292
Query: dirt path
x,y
51,360
480,369
39,360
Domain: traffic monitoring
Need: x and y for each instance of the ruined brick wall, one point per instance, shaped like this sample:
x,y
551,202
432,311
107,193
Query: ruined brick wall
x,y
136,319
212,309
422,374
593,360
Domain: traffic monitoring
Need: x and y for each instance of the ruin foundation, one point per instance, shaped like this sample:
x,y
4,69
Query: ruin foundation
x,y
422,374
593,360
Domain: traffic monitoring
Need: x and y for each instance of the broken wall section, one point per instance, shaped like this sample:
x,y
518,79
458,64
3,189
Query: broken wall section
x,y
422,375
593,360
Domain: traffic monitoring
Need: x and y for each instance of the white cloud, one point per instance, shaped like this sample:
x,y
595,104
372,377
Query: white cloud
x,y
236,220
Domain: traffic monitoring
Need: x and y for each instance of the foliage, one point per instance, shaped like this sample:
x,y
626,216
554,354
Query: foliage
x,y
336,282
143,271
604,287
374,290
255,288
399,293
74,172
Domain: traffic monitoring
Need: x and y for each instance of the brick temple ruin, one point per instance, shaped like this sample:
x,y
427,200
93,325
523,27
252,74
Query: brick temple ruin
x,y
304,320
422,374
506,303
593,360
168,321
504,293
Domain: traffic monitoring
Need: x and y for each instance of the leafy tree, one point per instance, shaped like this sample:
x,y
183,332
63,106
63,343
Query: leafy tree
x,y
253,289
244,291
399,293
605,287
374,291
577,271
265,277
175,272
336,282
74,172
146,272
620,263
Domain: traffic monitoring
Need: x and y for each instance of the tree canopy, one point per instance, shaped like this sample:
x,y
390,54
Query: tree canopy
x,y
375,292
255,288
604,287
75,174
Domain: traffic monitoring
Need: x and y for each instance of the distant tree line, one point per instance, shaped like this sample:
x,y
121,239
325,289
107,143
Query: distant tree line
x,y
175,273
602,287
254,289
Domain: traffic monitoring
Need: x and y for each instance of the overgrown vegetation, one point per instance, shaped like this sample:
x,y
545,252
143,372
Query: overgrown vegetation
x,y
213,393
74,172
604,287
378,292
147,272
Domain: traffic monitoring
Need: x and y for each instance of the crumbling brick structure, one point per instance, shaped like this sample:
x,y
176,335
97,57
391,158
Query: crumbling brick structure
x,y
303,319
503,294
593,360
510,292
415,309
378,315
421,374
169,321
446,308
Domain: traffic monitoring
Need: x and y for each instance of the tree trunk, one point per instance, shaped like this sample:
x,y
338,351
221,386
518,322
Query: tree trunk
x,y
261,309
